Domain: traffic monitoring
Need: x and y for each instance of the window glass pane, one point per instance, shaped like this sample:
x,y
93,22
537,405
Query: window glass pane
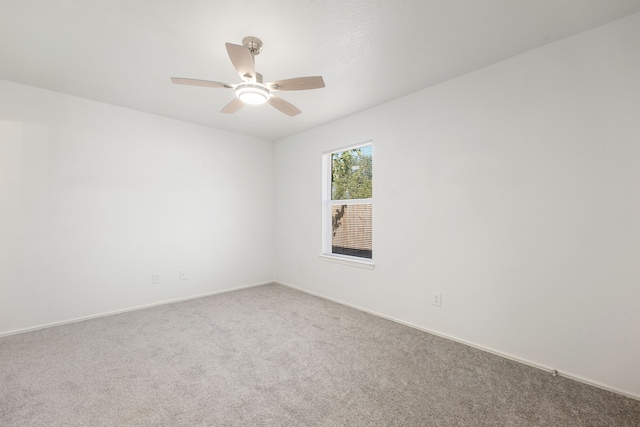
x,y
351,230
351,172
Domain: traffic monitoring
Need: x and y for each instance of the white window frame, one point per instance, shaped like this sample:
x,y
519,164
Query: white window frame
x,y
327,203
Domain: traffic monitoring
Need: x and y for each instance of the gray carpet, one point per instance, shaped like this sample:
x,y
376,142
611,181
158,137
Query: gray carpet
x,y
273,356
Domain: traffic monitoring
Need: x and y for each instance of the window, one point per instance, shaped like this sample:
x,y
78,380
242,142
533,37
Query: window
x,y
348,204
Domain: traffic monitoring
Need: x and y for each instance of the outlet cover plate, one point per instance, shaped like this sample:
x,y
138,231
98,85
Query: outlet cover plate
x,y
437,299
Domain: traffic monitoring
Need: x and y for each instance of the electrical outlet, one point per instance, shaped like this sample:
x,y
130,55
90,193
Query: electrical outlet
x,y
183,275
437,299
155,279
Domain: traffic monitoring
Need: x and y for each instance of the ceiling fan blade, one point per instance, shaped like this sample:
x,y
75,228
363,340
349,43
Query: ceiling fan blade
x,y
284,106
242,60
299,83
233,106
196,82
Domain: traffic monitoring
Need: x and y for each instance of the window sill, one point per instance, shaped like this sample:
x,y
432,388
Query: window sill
x,y
354,262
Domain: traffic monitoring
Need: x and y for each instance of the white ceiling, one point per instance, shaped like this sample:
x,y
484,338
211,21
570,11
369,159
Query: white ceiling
x,y
123,52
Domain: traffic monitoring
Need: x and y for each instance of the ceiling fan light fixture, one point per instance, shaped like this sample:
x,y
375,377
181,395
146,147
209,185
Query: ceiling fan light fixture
x,y
253,93
253,90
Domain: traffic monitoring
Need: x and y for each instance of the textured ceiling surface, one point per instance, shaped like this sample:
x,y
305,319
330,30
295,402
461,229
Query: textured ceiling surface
x,y
123,52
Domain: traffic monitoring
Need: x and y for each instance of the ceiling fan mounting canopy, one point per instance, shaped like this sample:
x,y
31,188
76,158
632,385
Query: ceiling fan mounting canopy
x,y
252,90
254,45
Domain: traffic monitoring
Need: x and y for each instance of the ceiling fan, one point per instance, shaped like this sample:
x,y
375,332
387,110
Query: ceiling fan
x,y
252,89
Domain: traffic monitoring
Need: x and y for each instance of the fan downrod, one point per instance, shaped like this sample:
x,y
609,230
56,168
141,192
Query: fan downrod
x,y
254,44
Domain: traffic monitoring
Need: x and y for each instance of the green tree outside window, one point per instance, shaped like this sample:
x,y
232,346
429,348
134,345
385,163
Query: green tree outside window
x,y
351,173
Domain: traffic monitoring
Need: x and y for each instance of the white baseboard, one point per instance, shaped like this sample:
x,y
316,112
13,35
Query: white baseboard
x,y
393,319
125,310
470,344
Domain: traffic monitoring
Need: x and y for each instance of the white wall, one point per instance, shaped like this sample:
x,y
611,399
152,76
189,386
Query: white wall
x,y
95,198
514,191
